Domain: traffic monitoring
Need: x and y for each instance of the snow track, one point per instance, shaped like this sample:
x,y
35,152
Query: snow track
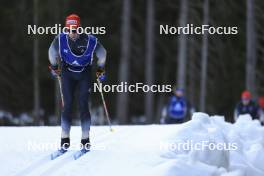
x,y
45,166
130,148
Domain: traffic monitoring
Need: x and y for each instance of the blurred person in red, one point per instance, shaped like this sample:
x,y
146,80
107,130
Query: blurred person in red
x,y
261,109
246,106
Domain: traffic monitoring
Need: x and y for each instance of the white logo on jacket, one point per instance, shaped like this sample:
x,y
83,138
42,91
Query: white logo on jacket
x,y
75,63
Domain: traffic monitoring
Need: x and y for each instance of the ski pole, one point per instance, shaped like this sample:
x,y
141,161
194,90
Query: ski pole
x,y
61,94
105,108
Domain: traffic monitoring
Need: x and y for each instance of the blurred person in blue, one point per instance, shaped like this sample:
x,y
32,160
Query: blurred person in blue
x,y
177,110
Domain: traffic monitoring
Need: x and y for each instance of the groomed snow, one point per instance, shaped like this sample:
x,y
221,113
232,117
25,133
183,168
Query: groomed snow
x,y
150,150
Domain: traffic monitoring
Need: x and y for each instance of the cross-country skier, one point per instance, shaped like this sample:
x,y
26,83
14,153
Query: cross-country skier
x,y
177,108
71,56
246,106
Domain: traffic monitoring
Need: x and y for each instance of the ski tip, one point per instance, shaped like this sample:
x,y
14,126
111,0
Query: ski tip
x,y
57,154
80,154
77,156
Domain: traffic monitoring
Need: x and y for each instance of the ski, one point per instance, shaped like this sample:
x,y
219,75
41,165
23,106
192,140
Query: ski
x,y
57,154
80,153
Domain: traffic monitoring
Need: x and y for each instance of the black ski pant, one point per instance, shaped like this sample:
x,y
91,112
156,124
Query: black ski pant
x,y
72,82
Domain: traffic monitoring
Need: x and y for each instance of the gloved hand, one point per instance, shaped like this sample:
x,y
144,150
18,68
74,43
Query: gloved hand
x,y
100,74
54,70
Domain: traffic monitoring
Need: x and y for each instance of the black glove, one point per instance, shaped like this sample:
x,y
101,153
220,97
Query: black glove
x,y
55,70
100,73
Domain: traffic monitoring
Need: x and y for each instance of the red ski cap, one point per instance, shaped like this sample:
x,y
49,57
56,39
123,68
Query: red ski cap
x,y
246,95
261,102
72,21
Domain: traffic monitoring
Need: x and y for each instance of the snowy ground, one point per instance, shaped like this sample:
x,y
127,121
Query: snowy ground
x,y
151,150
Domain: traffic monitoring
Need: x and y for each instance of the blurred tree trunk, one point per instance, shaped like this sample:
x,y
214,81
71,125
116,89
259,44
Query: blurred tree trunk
x,y
191,71
36,111
161,99
122,99
149,98
251,49
56,87
204,59
181,76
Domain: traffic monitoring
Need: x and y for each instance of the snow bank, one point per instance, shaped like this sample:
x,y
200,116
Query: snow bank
x,y
227,149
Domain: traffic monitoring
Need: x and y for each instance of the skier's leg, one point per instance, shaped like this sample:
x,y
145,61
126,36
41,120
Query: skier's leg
x,y
83,105
68,87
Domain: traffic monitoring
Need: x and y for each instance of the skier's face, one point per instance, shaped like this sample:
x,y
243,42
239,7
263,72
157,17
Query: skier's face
x,y
73,35
178,93
245,101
